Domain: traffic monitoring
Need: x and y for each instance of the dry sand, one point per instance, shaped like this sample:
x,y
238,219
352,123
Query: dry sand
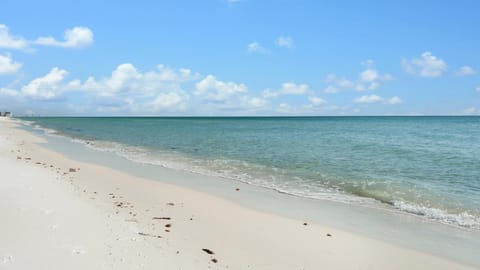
x,y
57,213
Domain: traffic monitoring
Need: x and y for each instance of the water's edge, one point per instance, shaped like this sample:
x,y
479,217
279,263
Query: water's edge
x,y
402,229
369,193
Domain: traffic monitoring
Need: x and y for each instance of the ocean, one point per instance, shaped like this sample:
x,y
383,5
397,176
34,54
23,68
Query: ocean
x,y
425,166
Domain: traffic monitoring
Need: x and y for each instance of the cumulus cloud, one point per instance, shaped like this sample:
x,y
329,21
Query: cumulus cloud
x,y
127,90
465,71
10,41
172,91
331,89
171,100
315,106
256,102
9,92
285,108
369,75
470,110
428,65
46,87
215,90
368,99
76,37
7,65
126,79
252,103
285,42
288,88
291,88
368,79
316,101
130,91
337,84
394,100
377,99
255,47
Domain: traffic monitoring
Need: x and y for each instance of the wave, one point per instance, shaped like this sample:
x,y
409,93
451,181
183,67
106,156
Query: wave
x,y
32,124
265,177
463,219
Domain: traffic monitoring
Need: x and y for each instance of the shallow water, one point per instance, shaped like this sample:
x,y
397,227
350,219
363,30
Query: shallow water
x,y
427,166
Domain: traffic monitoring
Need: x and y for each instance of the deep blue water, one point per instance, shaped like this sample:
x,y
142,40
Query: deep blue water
x,y
428,166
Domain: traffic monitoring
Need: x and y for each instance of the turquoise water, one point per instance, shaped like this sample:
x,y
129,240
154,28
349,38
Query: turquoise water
x,y
427,166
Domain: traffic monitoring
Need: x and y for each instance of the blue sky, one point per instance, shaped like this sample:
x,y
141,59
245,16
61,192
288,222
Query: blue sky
x,y
244,57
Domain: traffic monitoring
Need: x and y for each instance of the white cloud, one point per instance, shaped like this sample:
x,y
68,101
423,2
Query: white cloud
x,y
125,83
7,65
478,89
291,88
256,102
428,65
368,99
76,37
215,90
255,47
9,41
127,80
253,102
369,75
368,79
169,100
331,90
164,90
311,108
465,71
269,93
394,100
285,42
285,108
46,87
316,101
288,88
373,85
377,99
9,92
124,78
471,110
339,82
130,91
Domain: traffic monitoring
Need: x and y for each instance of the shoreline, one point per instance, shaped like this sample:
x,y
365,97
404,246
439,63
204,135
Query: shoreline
x,y
240,237
262,173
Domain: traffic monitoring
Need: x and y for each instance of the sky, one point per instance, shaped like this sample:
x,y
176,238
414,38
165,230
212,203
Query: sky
x,y
239,57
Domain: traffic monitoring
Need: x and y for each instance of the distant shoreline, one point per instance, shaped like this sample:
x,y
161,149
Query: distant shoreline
x,y
241,116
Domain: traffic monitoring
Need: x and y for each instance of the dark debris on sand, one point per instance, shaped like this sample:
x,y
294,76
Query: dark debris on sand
x,y
208,251
165,218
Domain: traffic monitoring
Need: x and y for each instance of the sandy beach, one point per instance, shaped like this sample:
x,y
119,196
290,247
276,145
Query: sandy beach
x,y
59,213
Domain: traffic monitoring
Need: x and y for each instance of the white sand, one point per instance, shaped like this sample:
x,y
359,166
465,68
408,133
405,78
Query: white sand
x,y
55,219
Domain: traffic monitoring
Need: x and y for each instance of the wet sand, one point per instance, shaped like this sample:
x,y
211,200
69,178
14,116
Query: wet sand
x,y
59,213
